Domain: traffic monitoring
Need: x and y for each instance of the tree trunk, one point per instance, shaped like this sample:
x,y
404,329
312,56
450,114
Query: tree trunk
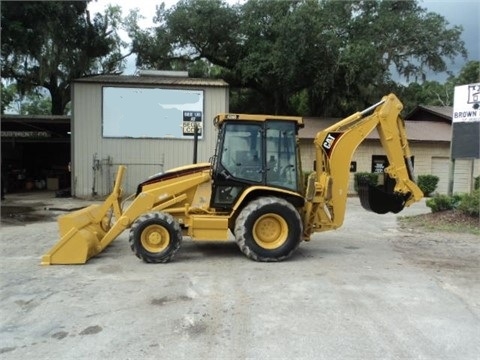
x,y
60,98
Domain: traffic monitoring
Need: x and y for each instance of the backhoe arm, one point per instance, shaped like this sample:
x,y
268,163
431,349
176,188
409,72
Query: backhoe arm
x,y
328,187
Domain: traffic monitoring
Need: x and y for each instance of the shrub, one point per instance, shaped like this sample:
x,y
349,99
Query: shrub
x,y
369,178
441,203
476,185
470,203
427,183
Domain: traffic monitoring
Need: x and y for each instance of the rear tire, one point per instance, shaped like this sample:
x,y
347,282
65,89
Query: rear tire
x,y
268,229
155,237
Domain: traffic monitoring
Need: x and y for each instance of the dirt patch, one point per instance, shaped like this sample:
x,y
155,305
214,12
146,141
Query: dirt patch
x,y
448,221
22,215
444,242
451,217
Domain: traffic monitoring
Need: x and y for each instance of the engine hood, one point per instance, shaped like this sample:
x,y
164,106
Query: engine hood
x,y
175,172
199,166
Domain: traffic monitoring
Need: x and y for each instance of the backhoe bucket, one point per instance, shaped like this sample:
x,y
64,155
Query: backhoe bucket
x,y
82,232
373,198
380,199
79,238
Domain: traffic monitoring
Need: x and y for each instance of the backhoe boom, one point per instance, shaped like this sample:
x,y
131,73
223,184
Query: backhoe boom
x,y
328,187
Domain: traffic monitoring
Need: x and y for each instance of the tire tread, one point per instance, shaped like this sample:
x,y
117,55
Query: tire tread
x,y
139,251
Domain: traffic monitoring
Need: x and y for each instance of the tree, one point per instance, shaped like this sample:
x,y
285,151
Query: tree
x,y
252,44
8,95
31,103
386,41
190,31
35,103
435,93
50,43
334,56
427,93
469,74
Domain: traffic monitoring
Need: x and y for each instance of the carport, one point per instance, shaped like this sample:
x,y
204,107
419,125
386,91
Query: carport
x,y
35,152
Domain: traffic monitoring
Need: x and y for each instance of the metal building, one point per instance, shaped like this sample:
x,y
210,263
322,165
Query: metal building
x,y
144,122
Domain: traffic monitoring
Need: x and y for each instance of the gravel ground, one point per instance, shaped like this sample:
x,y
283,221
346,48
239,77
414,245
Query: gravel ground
x,y
370,290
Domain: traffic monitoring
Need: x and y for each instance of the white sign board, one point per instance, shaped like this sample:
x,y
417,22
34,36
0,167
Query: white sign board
x,y
135,112
466,103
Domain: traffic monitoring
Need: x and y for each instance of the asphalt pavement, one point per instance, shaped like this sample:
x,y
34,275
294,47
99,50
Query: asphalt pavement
x,y
369,290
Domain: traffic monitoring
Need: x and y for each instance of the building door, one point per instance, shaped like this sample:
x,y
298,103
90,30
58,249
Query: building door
x,y
440,168
463,176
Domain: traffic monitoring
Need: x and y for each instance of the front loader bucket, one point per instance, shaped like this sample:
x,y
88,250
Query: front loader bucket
x,y
87,232
80,238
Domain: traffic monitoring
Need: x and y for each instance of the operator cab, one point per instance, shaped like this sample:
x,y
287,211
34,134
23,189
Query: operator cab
x,y
253,150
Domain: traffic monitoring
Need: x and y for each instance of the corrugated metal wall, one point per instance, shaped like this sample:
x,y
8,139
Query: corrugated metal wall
x,y
95,159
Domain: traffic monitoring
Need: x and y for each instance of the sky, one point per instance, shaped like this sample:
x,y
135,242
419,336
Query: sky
x,y
462,12
466,14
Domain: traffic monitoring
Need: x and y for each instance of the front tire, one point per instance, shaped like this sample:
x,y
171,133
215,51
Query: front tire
x,y
268,229
155,237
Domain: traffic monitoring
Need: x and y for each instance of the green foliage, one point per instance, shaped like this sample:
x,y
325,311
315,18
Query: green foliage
x,y
8,94
427,183
299,103
35,104
49,43
434,93
469,74
470,203
441,202
30,103
428,93
369,178
477,183
326,58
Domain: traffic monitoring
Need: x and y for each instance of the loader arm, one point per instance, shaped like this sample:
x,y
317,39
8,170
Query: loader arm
x,y
87,232
327,187
83,232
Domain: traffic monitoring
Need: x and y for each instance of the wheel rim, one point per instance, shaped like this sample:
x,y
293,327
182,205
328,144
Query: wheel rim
x,y
155,238
270,231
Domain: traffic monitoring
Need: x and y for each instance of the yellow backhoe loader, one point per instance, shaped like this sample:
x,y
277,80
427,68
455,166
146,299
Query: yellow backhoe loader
x,y
253,188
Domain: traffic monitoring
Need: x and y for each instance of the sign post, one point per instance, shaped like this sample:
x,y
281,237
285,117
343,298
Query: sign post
x,y
465,142
192,122
192,126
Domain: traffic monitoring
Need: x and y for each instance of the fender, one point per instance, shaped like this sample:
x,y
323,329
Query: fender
x,y
296,199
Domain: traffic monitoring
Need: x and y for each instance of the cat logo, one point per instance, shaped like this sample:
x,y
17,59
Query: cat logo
x,y
327,144
329,141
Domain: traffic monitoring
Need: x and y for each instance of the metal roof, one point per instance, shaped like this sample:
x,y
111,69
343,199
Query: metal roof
x,y
152,80
445,111
424,112
27,128
14,118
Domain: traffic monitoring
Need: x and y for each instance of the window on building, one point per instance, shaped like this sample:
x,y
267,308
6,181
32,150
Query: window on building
x,y
379,163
